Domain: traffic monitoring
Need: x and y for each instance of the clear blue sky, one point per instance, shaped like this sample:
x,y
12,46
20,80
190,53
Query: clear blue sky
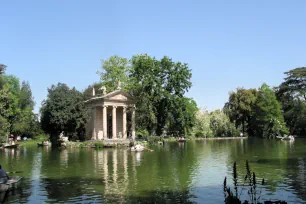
x,y
227,44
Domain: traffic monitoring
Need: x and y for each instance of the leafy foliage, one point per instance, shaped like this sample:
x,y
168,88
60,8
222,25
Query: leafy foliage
x,y
16,108
221,125
88,92
202,125
239,107
113,70
267,120
159,86
4,129
64,110
214,124
291,94
2,71
257,111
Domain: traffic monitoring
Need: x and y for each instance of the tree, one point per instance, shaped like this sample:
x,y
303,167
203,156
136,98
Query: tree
x,y
64,110
202,124
221,125
183,119
88,92
239,107
160,87
267,120
4,129
16,107
214,124
115,69
291,94
25,98
2,71
295,83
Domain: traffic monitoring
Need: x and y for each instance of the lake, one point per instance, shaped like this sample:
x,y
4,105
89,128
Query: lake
x,y
191,172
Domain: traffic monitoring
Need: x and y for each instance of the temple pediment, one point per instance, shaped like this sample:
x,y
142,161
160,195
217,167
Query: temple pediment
x,y
118,95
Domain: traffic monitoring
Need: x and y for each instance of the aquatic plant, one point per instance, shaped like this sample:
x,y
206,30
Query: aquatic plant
x,y
99,145
253,188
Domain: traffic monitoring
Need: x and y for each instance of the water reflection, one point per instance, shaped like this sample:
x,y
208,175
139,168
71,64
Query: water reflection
x,y
175,172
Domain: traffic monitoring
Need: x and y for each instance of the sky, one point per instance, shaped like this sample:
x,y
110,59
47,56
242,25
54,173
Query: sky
x,y
227,44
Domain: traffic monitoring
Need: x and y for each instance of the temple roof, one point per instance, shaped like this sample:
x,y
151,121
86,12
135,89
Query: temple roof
x,y
117,95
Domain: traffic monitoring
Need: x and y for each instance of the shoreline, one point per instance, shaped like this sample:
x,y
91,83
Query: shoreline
x,y
221,138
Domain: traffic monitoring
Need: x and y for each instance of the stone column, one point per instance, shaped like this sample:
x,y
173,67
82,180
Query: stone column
x,y
133,124
94,120
114,122
124,123
105,122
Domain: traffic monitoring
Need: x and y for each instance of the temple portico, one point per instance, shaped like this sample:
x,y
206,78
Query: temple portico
x,y
112,116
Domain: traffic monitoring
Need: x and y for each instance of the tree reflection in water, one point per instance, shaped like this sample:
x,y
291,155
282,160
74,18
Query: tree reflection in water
x,y
181,172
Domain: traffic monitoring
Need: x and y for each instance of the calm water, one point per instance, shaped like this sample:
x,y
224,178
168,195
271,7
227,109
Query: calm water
x,y
174,173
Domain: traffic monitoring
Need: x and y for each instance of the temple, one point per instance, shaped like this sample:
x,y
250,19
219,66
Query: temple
x,y
112,116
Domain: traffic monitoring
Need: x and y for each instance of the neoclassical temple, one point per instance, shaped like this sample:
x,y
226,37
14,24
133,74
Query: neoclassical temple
x,y
112,116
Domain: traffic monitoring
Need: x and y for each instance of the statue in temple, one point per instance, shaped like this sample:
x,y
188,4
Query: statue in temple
x,y
103,88
118,85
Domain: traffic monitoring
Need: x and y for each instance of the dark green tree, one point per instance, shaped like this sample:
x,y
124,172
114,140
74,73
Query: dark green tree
x,y
239,108
2,71
25,97
16,107
295,83
4,129
10,100
160,87
64,110
291,94
267,120
88,92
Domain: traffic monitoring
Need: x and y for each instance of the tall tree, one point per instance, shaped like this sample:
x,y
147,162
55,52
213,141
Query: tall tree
x,y
11,97
16,106
221,125
239,107
291,94
202,124
113,70
88,92
25,98
4,129
160,87
64,110
2,71
267,120
295,83
25,123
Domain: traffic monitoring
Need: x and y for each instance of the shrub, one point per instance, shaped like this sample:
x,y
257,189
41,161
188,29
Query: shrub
x,y
142,134
99,145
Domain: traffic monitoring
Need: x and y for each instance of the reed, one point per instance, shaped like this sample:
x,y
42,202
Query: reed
x,y
250,184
